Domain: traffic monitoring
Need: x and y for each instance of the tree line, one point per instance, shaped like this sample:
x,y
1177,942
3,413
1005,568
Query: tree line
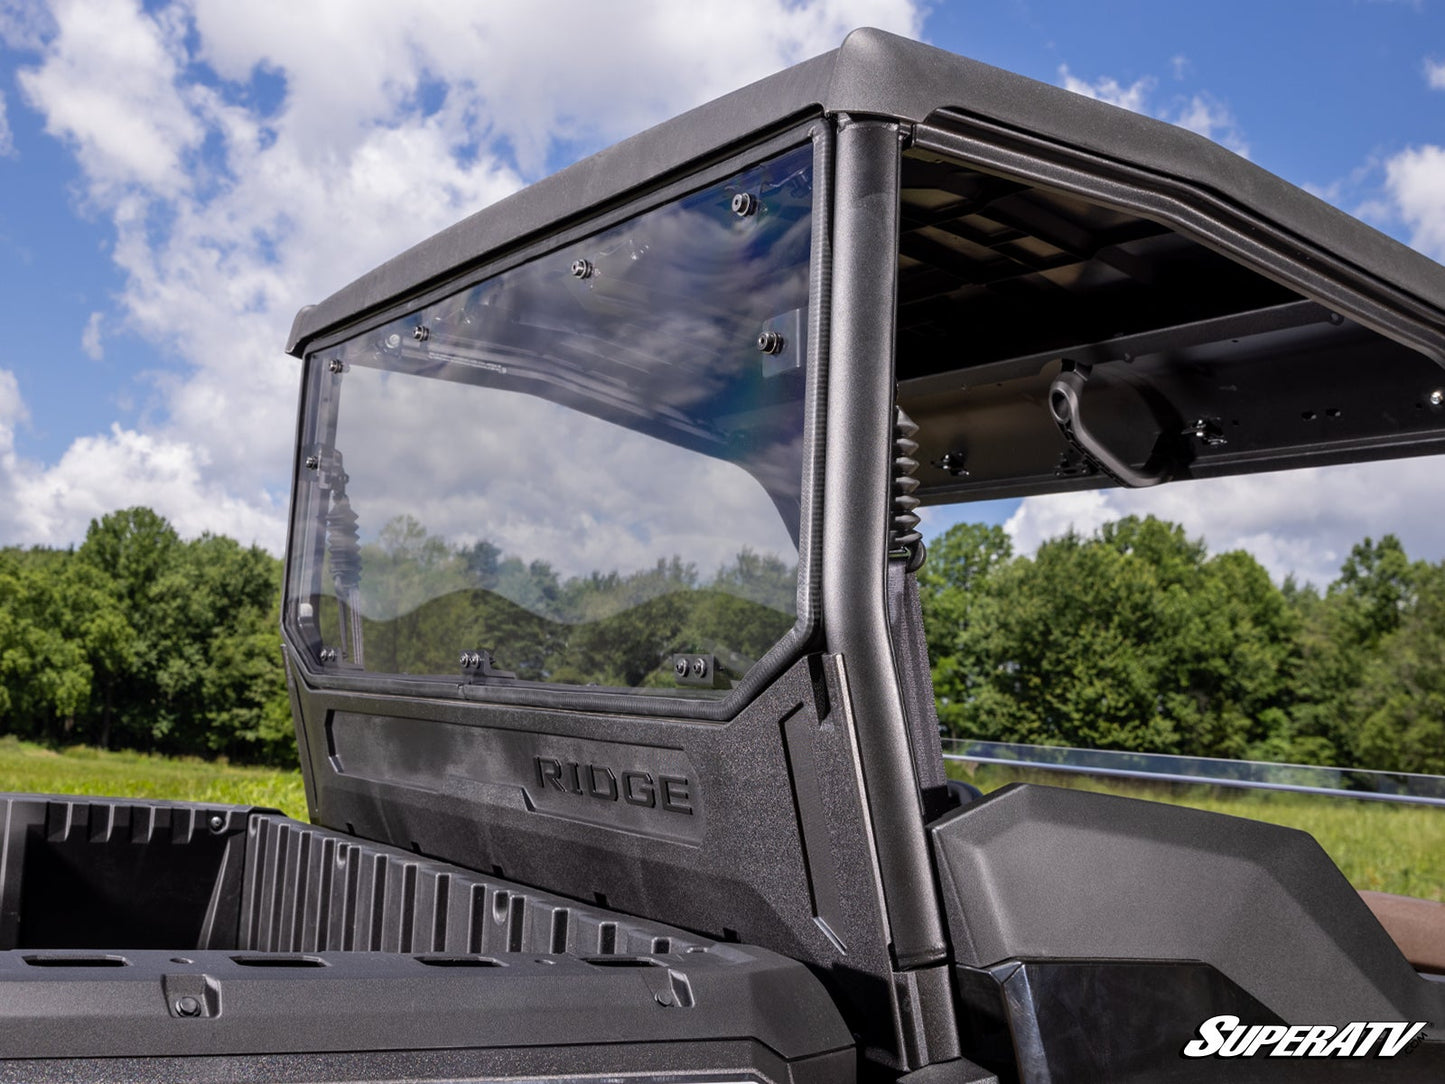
x,y
138,639
1134,637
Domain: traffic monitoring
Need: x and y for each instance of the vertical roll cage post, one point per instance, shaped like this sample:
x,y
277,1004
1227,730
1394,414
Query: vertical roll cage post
x,y
856,509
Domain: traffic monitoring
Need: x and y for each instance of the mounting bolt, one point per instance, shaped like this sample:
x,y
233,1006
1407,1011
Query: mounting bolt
x,y
770,342
680,668
1437,397
745,204
393,341
336,365
581,269
421,333
328,654
953,462
188,1006
217,822
313,462
699,667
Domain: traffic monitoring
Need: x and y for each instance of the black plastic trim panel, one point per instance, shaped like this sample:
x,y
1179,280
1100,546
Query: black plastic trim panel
x,y
1035,872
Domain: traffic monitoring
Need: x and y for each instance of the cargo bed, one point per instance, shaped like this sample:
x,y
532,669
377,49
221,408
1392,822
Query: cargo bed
x,y
147,931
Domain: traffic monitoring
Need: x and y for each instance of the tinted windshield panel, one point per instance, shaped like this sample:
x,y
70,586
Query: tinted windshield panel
x,y
589,466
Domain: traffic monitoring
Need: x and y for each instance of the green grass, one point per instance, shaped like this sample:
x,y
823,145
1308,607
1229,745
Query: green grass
x,y
81,770
1382,846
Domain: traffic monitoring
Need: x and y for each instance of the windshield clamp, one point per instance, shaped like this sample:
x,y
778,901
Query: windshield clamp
x,y
480,665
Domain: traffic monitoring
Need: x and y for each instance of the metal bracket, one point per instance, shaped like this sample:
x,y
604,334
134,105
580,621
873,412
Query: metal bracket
x,y
480,665
698,671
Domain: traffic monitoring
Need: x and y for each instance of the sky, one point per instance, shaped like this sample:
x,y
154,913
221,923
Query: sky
x,y
177,179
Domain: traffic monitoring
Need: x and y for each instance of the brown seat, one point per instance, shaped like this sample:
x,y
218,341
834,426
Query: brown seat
x,y
1417,926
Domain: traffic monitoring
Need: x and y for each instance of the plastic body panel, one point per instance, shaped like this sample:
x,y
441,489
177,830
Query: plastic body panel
x,y
1096,901
1051,1021
774,852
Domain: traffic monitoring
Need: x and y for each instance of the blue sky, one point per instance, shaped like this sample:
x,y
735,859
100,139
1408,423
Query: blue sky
x,y
176,179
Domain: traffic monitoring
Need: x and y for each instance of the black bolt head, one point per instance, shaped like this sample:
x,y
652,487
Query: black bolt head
x,y
770,342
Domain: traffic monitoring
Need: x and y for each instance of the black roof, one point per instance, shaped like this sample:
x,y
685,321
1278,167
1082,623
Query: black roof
x,y
876,73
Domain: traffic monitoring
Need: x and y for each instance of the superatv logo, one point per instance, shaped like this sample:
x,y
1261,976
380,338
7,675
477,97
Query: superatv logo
x,y
1226,1037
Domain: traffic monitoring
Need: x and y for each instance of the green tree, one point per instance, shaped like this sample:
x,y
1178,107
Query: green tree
x,y
1398,704
1132,639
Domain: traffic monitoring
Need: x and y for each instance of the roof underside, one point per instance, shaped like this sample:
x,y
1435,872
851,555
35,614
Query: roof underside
x,y
1201,362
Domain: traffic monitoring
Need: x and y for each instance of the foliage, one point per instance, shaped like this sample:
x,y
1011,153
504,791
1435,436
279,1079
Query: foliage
x,y
1137,638
141,640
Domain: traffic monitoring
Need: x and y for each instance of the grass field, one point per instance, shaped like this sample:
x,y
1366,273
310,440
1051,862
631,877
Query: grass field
x,y
1382,846
82,770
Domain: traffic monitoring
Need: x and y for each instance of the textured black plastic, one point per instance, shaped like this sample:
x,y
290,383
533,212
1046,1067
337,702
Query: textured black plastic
x,y
438,787
287,938
1042,872
915,682
660,1063
1043,1021
94,873
355,1001
311,890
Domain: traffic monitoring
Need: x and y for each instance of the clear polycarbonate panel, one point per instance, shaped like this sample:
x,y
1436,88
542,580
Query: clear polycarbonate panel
x,y
585,470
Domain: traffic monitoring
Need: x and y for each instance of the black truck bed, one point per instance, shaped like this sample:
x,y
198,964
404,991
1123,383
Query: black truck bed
x,y
149,931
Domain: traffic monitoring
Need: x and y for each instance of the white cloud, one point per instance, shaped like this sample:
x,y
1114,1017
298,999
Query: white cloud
x,y
1415,184
7,143
1201,113
108,88
1210,118
1435,74
23,24
1301,521
90,342
99,474
622,502
254,158
1134,97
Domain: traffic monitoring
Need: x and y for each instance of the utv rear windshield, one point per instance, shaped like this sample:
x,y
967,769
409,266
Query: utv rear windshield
x,y
585,470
